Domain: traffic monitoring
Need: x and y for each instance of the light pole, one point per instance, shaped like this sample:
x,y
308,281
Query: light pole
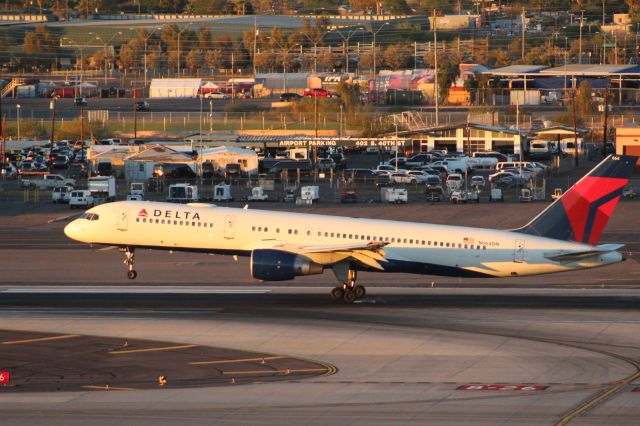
x,y
80,49
315,42
580,43
146,40
52,107
179,51
210,117
106,61
345,40
375,33
18,118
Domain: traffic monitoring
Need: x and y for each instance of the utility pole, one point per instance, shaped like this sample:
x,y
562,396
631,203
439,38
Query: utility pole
x,y
255,43
606,118
575,127
52,107
523,31
580,43
135,116
435,61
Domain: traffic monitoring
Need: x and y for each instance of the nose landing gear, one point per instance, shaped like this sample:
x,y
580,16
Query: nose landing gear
x,y
349,291
129,259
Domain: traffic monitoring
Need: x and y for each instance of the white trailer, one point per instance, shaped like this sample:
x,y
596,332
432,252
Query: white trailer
x,y
394,195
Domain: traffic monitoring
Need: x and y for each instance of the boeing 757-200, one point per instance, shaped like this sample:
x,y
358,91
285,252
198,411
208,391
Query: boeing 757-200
x,y
283,245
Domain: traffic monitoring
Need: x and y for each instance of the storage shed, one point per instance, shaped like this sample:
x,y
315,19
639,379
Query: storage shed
x,y
174,87
223,155
140,166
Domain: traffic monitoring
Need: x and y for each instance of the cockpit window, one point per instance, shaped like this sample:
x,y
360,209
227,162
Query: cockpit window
x,y
90,216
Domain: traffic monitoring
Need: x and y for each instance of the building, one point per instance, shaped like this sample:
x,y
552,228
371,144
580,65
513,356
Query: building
x,y
628,141
175,87
139,166
223,155
455,22
468,138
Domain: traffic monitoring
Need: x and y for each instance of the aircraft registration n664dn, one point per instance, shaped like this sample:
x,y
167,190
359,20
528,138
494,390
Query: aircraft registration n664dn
x,y
283,245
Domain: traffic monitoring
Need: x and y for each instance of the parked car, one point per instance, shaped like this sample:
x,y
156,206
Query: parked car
x,y
61,162
142,106
419,160
77,170
290,97
506,178
80,101
419,175
454,181
359,174
9,171
325,164
403,177
232,170
320,93
216,95
477,182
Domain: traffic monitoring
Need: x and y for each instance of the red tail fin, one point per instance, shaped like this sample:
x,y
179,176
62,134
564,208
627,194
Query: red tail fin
x,y
583,211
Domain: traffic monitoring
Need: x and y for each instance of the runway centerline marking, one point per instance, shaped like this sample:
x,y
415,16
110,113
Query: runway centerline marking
x,y
285,371
165,348
231,361
41,339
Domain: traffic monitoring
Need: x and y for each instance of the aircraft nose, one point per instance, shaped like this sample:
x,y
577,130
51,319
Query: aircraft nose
x,y
73,230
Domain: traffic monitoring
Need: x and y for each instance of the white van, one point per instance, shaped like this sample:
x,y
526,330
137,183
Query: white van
x,y
539,148
81,198
568,146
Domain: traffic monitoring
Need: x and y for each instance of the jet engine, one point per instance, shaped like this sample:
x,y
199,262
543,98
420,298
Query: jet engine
x,y
278,265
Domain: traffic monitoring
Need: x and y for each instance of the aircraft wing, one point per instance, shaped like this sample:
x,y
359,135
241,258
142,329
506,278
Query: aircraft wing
x,y
571,256
370,254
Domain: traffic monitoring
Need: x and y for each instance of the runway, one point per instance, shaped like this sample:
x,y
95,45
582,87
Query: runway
x,y
416,350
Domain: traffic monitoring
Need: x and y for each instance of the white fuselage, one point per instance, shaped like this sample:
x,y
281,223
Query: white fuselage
x,y
412,247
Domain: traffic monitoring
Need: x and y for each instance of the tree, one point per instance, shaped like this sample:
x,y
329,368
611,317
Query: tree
x,y
156,59
204,38
398,56
213,59
195,59
584,103
327,59
265,60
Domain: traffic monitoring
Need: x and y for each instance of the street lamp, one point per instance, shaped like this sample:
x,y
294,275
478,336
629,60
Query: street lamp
x,y
179,51
350,34
18,118
374,45
146,40
97,37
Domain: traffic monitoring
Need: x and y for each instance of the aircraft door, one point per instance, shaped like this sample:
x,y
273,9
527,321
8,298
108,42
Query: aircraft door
x,y
123,219
518,252
229,227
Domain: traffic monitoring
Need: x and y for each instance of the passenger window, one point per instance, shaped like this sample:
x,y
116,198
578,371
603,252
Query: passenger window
x,y
253,228
157,220
423,242
405,241
295,231
459,245
163,221
447,245
175,222
289,231
144,220
410,241
181,223
193,224
137,219
484,247
393,240
199,224
278,230
259,228
266,229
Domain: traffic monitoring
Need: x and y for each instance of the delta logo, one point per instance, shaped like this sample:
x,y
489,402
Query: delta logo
x,y
170,214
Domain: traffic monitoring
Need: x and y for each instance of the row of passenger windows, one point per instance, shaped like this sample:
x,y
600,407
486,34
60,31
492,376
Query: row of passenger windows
x,y
378,238
175,222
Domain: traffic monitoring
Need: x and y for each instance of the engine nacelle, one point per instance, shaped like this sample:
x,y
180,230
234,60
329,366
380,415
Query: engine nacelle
x,y
278,265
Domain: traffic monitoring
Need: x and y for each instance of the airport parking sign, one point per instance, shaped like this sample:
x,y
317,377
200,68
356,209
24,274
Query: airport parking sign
x,y
4,377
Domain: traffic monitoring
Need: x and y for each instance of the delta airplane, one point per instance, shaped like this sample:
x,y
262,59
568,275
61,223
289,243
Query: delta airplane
x,y
283,245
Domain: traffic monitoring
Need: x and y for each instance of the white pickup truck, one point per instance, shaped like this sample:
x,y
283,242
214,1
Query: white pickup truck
x,y
48,182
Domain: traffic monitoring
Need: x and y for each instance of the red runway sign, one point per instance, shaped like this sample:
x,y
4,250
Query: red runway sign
x,y
502,387
4,377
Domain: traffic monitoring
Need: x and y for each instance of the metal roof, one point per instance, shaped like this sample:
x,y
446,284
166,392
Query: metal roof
x,y
593,70
464,125
560,130
517,70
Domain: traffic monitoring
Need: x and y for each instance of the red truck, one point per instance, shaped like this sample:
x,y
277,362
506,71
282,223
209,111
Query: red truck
x,y
320,93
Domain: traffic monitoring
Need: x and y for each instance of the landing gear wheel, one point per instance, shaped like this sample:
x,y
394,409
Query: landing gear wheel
x,y
349,296
129,260
337,293
359,291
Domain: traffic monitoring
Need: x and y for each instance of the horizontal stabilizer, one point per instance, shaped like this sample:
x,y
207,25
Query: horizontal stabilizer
x,y
569,256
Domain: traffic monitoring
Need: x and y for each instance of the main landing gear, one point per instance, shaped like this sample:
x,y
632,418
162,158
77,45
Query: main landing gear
x,y
349,291
129,258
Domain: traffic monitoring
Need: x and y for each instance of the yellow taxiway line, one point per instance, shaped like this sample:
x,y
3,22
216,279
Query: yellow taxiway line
x,y
286,371
41,339
166,348
231,361
107,388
